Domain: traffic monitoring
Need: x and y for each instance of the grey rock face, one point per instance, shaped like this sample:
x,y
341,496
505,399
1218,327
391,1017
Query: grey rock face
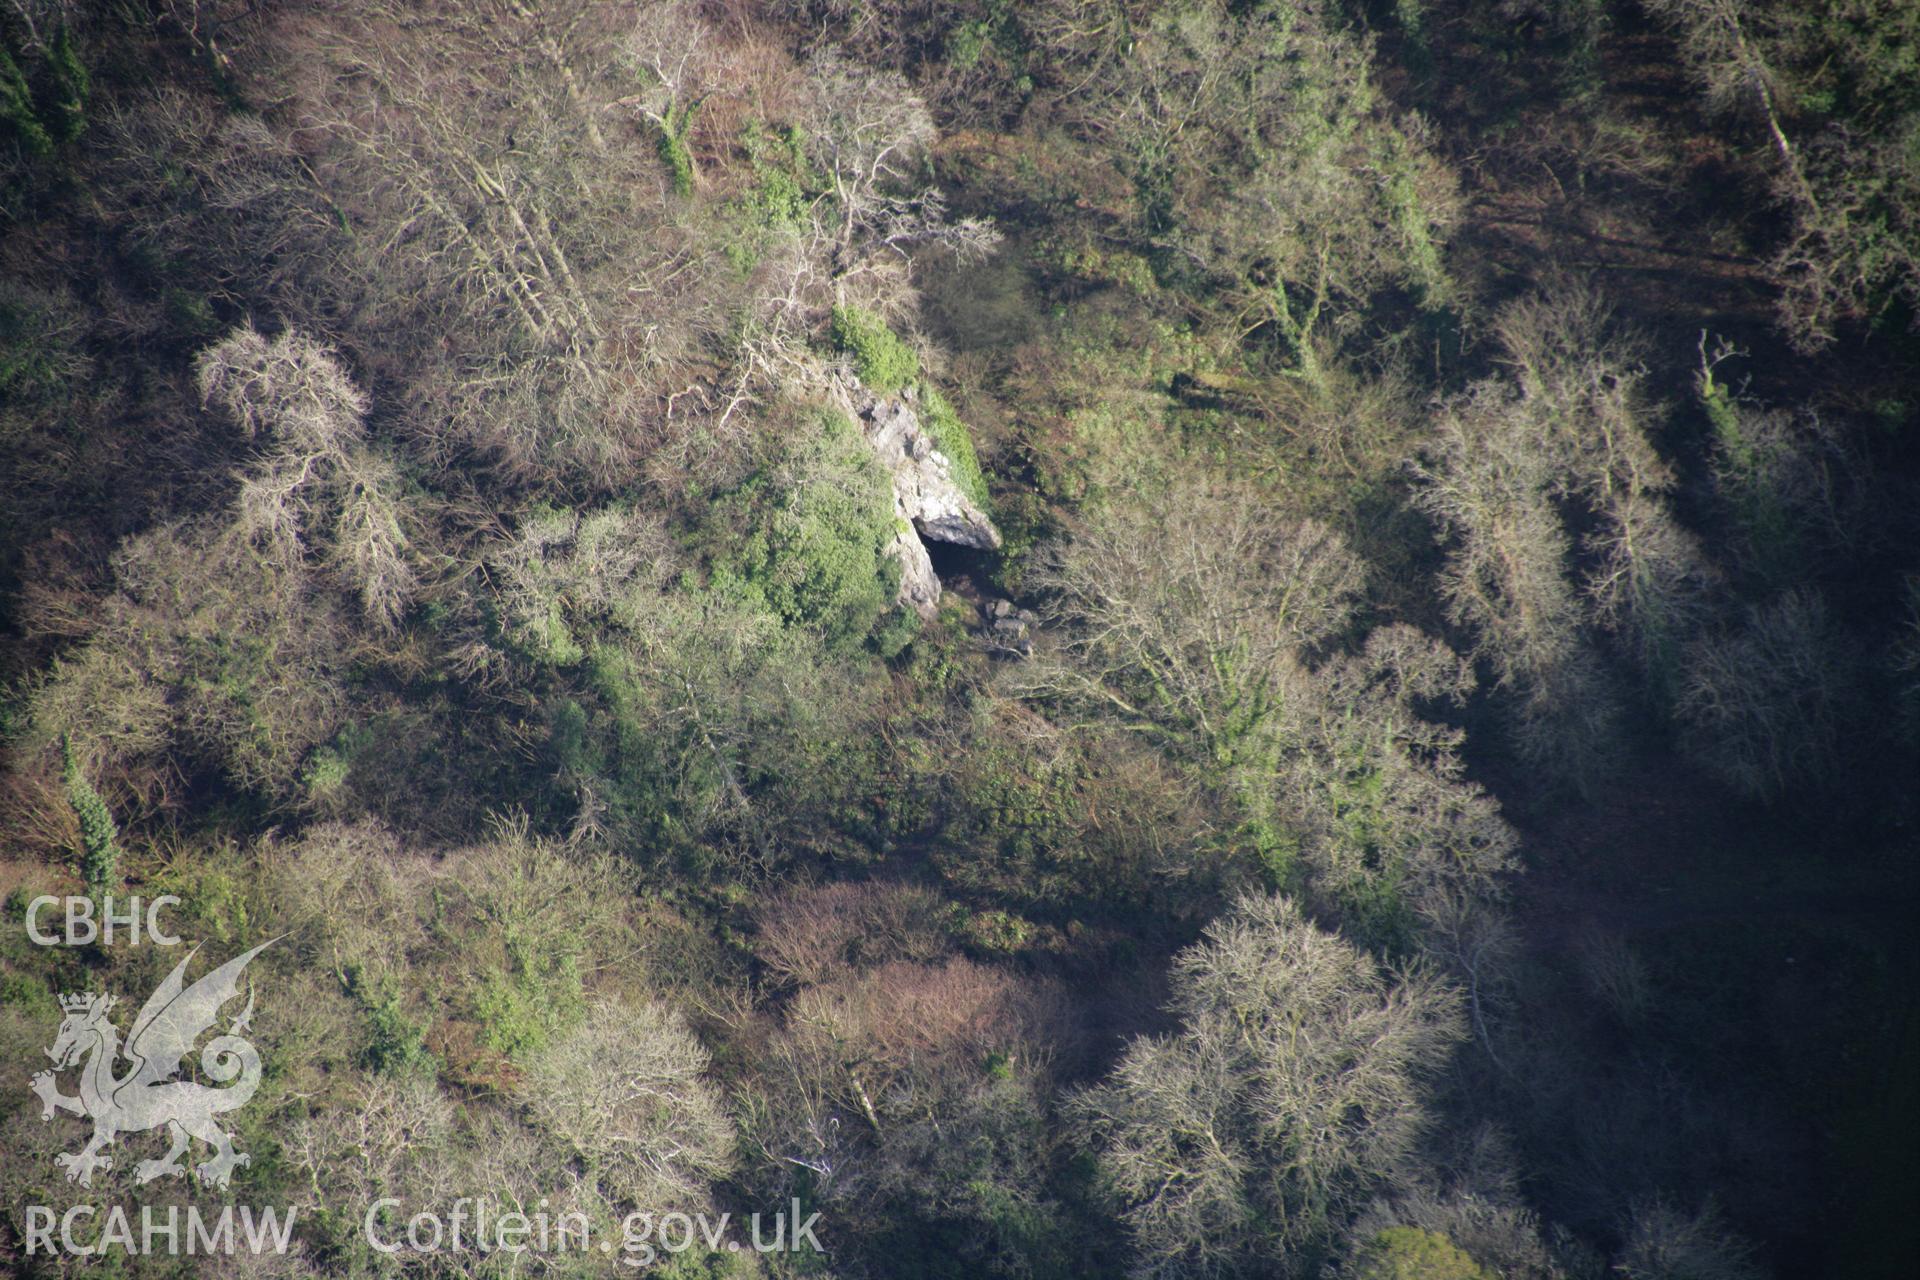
x,y
919,584
925,495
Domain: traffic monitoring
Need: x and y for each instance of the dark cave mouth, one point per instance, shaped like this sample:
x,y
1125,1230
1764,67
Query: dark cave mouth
x,y
964,568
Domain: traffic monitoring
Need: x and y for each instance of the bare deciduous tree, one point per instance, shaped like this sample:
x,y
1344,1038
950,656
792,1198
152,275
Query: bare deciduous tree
x,y
626,1092
868,134
1664,1243
317,482
1211,627
1292,1094
520,255
1570,428
1188,615
1849,184
1764,700
1262,155
814,936
394,1137
206,651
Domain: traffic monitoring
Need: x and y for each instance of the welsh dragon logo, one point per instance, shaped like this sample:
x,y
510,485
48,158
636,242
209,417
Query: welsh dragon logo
x,y
146,1096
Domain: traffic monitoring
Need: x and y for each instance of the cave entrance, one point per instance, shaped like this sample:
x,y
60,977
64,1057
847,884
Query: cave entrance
x,y
967,570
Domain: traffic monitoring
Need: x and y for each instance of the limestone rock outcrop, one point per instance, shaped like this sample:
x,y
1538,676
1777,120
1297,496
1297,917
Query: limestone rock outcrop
x,y
930,504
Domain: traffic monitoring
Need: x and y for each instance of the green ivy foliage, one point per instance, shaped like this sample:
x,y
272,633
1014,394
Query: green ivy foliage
x,y
1408,1253
99,836
951,435
883,361
44,121
818,523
